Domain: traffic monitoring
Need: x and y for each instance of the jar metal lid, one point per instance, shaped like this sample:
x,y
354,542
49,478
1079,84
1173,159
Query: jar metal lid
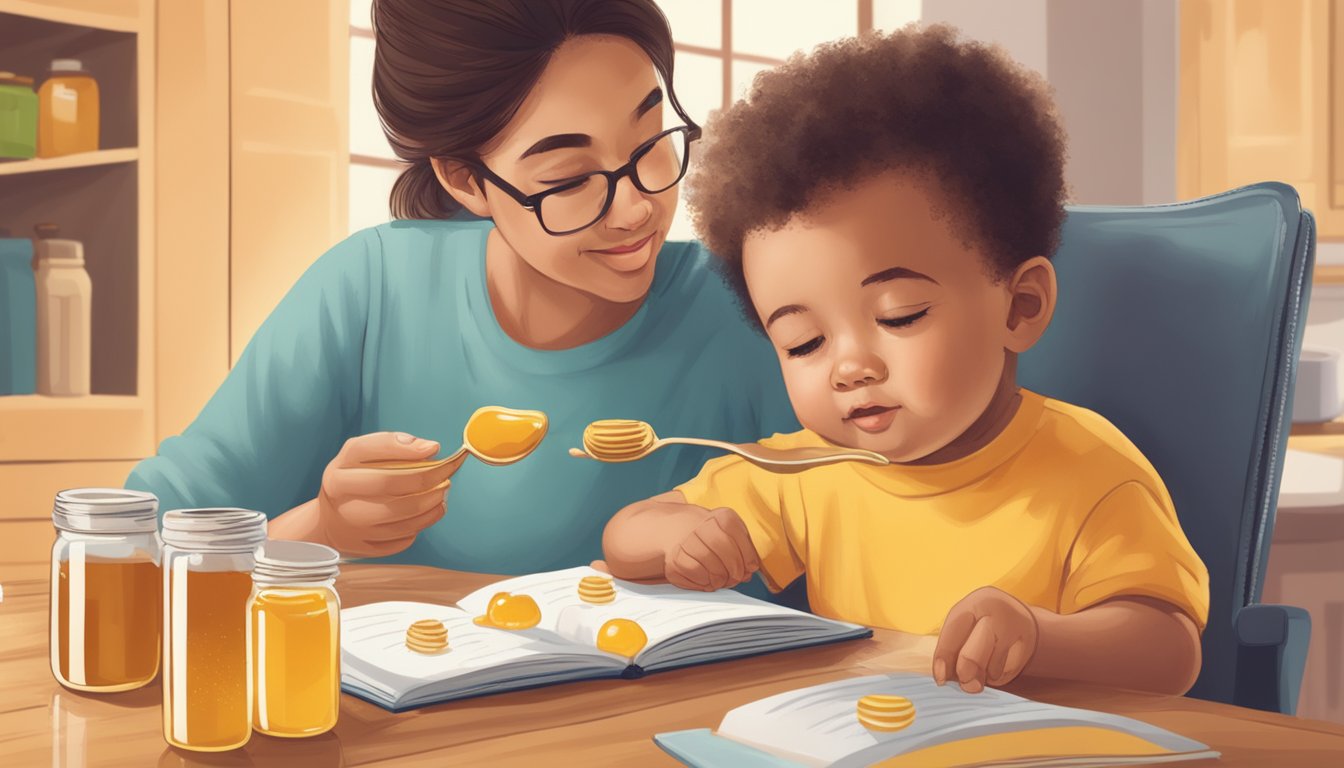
x,y
294,562
214,529
66,65
105,510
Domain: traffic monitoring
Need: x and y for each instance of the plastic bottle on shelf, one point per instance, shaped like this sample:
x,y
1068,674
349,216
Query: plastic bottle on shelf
x,y
64,315
18,316
67,119
18,116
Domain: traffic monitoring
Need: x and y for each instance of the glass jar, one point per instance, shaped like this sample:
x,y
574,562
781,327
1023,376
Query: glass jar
x,y
207,580
293,627
18,116
105,589
67,120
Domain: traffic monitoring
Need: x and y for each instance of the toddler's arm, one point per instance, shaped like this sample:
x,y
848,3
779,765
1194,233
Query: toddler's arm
x,y
1126,642
991,637
666,538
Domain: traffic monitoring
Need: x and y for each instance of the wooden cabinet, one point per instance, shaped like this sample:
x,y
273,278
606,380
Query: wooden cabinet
x,y
1261,96
221,176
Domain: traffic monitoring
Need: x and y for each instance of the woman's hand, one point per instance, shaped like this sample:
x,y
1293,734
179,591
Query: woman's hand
x,y
367,512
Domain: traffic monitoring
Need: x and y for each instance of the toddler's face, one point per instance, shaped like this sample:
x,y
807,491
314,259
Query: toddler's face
x,y
891,331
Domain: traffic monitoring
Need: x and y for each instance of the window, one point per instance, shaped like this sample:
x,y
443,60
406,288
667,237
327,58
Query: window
x,y
373,165
721,45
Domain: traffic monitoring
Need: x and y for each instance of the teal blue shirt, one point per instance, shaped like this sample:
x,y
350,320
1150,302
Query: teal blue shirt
x,y
392,329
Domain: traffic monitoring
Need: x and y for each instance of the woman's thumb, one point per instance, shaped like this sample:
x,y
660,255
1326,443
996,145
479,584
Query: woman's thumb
x,y
418,445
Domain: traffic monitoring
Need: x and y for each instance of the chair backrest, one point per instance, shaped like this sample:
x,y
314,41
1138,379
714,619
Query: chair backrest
x,y
1182,325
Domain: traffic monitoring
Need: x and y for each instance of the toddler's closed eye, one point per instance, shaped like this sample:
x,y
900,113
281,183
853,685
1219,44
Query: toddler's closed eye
x,y
806,348
903,321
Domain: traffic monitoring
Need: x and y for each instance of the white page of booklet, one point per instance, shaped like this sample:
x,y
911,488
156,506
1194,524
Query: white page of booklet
x,y
819,725
662,610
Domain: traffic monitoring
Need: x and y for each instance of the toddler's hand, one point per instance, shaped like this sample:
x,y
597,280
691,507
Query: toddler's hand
x,y
717,553
987,639
369,512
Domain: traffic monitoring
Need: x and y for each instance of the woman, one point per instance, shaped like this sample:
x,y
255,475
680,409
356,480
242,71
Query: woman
x,y
555,124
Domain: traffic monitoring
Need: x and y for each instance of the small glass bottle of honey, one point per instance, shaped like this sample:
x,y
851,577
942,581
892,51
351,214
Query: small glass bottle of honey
x,y
293,628
105,589
207,580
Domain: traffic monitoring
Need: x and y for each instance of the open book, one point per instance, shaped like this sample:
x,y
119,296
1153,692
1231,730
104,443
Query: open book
x,y
819,726
683,628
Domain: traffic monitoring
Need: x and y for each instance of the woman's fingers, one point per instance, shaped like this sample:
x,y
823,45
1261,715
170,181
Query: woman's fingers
x,y
409,526
385,483
365,513
382,446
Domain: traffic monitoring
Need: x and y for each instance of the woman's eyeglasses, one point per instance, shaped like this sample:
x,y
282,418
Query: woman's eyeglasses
x,y
656,166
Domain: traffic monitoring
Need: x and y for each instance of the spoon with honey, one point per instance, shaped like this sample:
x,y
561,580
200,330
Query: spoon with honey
x,y
621,440
494,434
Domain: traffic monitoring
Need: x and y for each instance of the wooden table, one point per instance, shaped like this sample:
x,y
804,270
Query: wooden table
x,y
598,723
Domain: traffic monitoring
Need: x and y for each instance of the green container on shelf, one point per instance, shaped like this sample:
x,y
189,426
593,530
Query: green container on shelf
x,y
18,116
18,317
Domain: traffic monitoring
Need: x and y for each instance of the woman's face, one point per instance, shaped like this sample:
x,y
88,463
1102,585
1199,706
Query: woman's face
x,y
598,100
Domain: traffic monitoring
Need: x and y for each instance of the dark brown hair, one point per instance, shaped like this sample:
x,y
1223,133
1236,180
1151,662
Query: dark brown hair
x,y
980,125
448,75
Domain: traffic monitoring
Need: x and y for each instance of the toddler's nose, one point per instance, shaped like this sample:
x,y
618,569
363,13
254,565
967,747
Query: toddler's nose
x,y
858,370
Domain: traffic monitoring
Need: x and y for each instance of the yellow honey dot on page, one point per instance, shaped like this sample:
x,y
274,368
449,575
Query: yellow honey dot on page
x,y
509,611
622,637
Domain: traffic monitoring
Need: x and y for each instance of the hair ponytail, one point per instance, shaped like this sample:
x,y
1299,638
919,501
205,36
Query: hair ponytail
x,y
417,194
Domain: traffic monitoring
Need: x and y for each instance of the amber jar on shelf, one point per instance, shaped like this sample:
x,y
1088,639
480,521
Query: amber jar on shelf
x,y
105,589
68,113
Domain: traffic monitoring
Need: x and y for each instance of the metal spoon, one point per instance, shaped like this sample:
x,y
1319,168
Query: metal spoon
x,y
529,427
621,440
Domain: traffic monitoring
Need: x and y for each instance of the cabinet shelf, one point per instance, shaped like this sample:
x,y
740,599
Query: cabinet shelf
x,y
81,160
41,428
112,15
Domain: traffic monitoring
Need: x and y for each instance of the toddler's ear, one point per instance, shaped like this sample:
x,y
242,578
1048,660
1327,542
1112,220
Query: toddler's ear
x,y
461,182
1032,291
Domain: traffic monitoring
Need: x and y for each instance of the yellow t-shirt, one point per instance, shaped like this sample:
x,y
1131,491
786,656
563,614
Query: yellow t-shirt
x,y
1060,510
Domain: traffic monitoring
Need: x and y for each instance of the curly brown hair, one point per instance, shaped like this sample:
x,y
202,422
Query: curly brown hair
x,y
983,126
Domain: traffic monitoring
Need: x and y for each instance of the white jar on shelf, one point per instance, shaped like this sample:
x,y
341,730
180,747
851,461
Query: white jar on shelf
x,y
64,316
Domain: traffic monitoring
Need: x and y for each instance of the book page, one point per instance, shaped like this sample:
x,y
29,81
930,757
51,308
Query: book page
x,y
819,726
375,656
663,611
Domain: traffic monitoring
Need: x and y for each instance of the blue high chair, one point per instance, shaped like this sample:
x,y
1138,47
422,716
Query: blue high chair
x,y
1182,325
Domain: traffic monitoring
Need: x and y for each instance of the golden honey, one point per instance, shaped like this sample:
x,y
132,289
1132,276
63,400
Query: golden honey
x,y
503,434
296,661
205,675
509,611
617,439
623,637
105,590
294,636
207,582
106,616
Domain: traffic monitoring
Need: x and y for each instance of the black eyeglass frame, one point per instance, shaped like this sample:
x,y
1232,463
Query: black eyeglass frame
x,y
533,202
